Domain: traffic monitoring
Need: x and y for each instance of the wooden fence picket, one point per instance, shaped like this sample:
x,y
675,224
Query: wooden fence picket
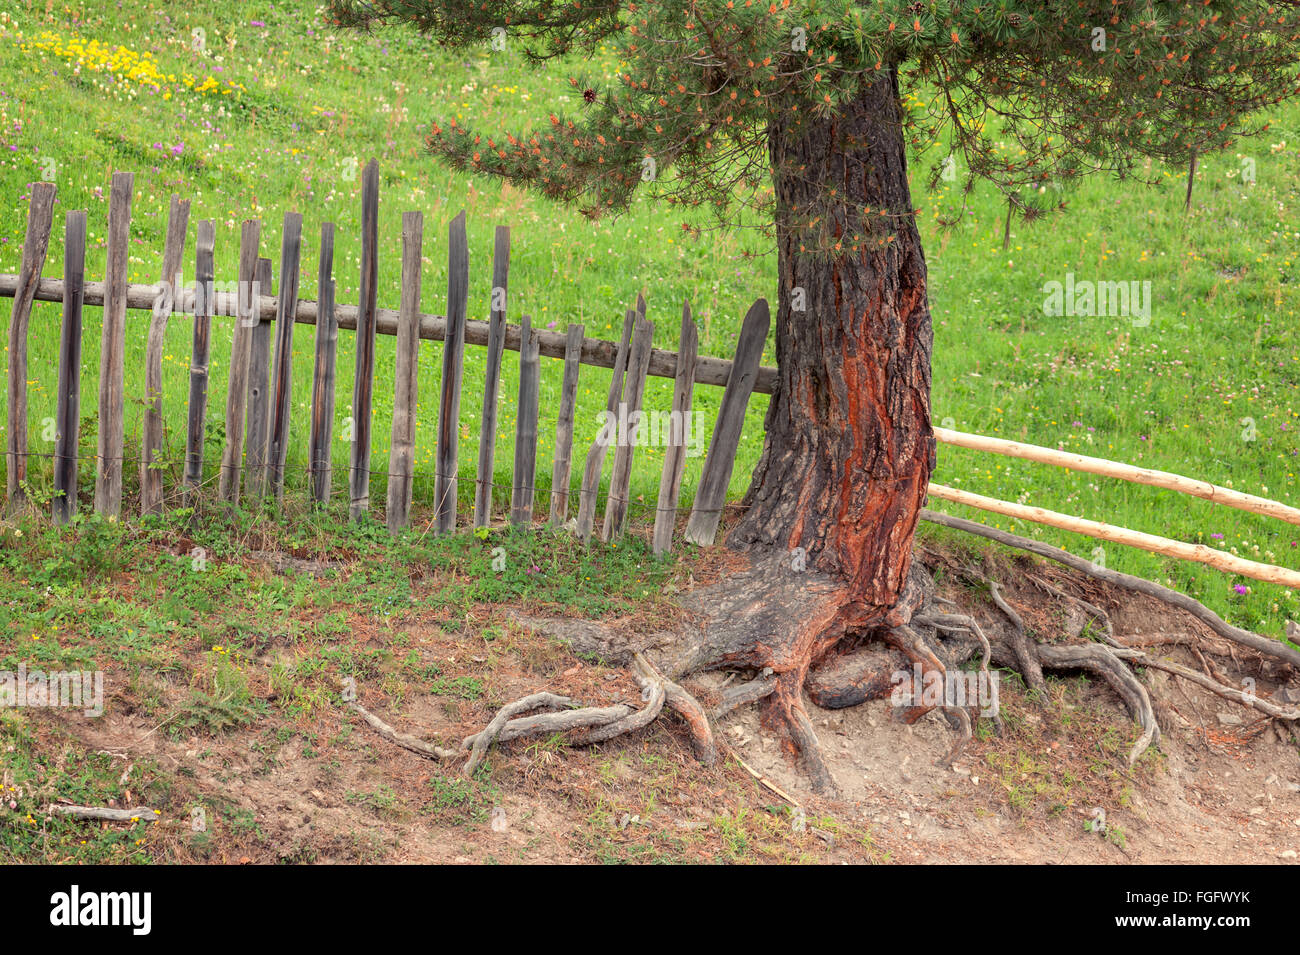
x,y
40,220
257,420
627,428
151,444
67,415
453,353
521,498
200,352
281,394
363,384
246,317
401,459
492,378
670,484
564,426
320,442
112,351
711,495
595,463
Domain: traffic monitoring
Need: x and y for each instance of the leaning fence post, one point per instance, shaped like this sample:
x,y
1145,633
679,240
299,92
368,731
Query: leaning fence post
x,y
712,492
68,409
40,219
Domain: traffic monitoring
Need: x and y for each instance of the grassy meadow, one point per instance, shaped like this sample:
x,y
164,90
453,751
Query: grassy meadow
x,y
252,110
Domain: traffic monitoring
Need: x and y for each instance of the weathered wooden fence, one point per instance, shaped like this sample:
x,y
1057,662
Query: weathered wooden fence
x,y
258,420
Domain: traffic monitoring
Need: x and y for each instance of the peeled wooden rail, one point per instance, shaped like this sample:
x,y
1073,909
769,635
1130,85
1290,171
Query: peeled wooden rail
x,y
1122,535
1124,472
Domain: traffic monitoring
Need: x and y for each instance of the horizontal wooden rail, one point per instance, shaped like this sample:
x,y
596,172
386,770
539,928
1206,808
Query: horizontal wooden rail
x,y
1122,535
1124,472
595,351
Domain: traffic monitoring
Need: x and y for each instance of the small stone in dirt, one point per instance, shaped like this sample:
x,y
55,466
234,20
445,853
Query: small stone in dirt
x,y
824,836
975,780
1229,719
1289,854
499,823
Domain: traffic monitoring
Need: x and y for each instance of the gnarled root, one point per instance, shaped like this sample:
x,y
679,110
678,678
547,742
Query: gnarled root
x,y
797,630
856,677
587,725
783,713
1101,660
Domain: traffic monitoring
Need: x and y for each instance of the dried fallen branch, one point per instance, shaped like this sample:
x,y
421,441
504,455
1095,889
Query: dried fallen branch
x,y
763,780
102,813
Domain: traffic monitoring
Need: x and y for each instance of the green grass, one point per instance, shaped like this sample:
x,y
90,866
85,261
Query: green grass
x,y
35,775
1220,346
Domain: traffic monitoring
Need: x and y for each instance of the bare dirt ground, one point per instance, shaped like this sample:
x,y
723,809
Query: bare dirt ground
x,y
317,785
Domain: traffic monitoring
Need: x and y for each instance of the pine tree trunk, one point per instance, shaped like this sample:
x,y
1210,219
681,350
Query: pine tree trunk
x,y
849,448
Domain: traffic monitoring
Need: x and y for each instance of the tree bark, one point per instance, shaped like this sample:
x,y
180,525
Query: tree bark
x,y
849,447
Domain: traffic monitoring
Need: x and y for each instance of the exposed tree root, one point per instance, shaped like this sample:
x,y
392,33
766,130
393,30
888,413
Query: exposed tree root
x,y
1101,660
486,738
697,721
587,725
1214,686
783,713
1260,644
404,740
796,631
855,677
734,697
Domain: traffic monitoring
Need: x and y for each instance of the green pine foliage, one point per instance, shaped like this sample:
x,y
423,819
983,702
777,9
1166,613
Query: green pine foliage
x,y
1077,87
